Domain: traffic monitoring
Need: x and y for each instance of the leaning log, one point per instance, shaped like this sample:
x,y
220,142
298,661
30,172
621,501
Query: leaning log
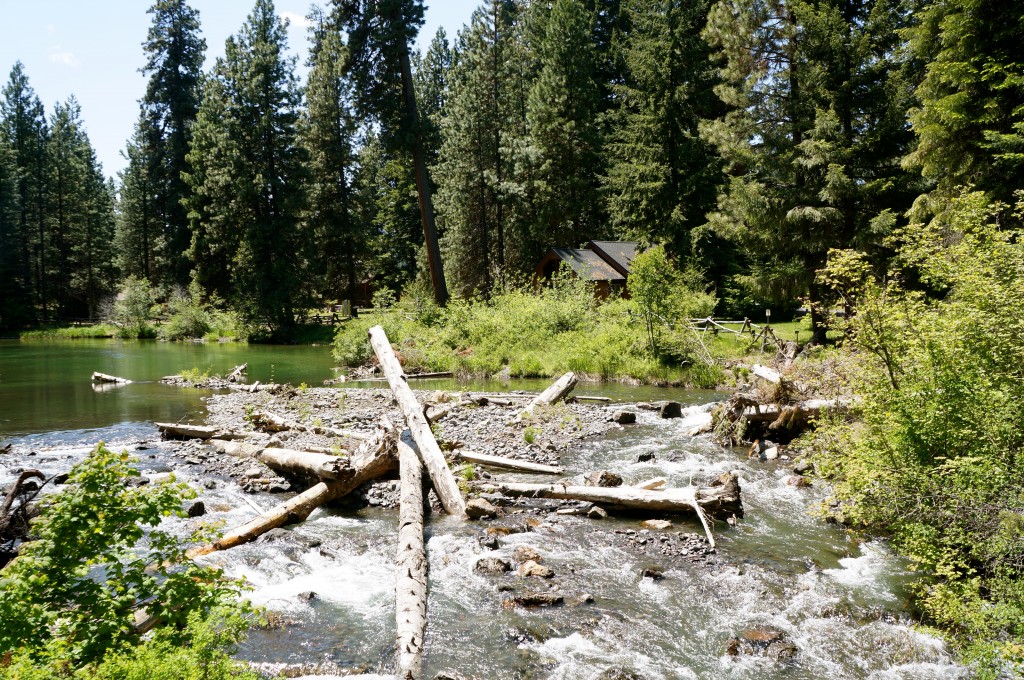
x,y
271,422
373,459
507,463
411,581
98,377
720,500
556,392
440,474
236,373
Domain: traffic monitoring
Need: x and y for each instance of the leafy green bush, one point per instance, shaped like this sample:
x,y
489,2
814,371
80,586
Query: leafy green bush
x,y
98,556
936,461
192,318
132,309
94,331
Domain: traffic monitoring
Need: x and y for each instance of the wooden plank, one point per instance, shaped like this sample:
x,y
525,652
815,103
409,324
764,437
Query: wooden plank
x,y
440,474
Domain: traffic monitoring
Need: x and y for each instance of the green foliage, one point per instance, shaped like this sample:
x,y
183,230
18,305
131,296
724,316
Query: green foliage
x,y
194,375
520,333
99,555
530,434
132,308
100,330
191,318
937,460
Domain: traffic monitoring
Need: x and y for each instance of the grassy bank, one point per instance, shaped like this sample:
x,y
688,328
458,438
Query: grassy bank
x,y
522,334
92,331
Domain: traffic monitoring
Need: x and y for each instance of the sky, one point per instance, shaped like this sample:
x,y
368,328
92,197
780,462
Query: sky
x,y
93,49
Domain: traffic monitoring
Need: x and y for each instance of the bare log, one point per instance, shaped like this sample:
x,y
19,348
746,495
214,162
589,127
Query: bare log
x,y
411,568
766,373
652,484
104,378
556,392
723,499
271,422
322,466
236,373
440,474
415,376
583,397
507,463
190,431
15,489
374,458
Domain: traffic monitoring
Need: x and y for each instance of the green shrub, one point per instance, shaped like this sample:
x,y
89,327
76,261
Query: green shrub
x,y
132,309
98,556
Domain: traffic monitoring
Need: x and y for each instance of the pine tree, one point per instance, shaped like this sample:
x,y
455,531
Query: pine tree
x,y
140,233
336,240
970,121
813,138
174,60
24,129
248,174
663,176
379,34
15,310
563,135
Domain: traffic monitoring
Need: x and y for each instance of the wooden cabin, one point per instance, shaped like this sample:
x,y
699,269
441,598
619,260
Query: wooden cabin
x,y
606,263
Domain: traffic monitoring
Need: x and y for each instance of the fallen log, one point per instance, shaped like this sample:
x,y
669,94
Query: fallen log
x,y
766,373
190,431
411,567
236,373
440,474
507,463
374,458
104,378
322,466
414,376
583,397
722,499
271,422
556,392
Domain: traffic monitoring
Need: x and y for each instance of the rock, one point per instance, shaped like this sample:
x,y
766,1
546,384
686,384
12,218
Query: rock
x,y
134,482
624,417
802,467
646,458
656,573
197,509
479,508
619,674
671,409
771,453
531,568
762,641
532,599
524,553
603,478
60,478
799,481
192,460
597,512
307,596
761,635
492,566
450,675
210,484
582,598
656,524
488,542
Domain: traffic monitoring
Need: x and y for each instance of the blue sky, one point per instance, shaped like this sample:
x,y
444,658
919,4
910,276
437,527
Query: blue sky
x,y
94,51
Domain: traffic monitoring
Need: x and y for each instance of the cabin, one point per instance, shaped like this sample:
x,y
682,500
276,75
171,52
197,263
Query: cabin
x,y
606,263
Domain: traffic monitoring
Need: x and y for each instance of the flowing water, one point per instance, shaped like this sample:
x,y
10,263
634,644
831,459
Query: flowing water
x,y
843,604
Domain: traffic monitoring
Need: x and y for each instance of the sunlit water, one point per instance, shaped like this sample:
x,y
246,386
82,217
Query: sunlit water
x,y
842,603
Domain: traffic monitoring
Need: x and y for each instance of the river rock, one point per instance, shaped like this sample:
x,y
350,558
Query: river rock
x,y
647,457
603,478
536,599
492,566
597,512
762,641
655,573
802,467
656,524
479,508
799,481
531,568
197,509
525,553
671,409
624,417
619,674
771,453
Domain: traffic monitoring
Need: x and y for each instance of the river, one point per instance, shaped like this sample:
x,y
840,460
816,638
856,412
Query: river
x,y
844,604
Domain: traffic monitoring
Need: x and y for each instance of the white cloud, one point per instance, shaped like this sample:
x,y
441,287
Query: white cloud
x,y
59,56
51,29
297,20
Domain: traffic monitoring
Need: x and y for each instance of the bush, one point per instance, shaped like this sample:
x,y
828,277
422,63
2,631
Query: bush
x,y
936,462
192,318
98,556
132,309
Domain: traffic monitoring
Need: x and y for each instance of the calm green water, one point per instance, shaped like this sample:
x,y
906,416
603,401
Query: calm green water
x,y
46,385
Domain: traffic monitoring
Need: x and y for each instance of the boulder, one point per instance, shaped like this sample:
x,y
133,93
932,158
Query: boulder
x,y
525,553
656,524
799,481
671,409
603,478
762,641
624,417
534,599
197,509
531,568
804,466
646,458
655,573
597,512
492,566
479,508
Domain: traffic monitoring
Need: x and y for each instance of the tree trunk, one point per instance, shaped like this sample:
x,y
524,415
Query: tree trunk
x,y
440,474
508,463
556,392
411,581
723,499
321,466
189,431
104,378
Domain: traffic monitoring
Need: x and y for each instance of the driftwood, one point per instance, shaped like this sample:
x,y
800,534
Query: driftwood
x,y
411,568
583,397
414,376
374,458
271,422
507,463
723,499
321,466
766,373
440,474
190,431
13,492
236,373
556,392
98,377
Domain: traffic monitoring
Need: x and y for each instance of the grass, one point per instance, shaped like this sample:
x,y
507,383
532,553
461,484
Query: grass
x,y
100,330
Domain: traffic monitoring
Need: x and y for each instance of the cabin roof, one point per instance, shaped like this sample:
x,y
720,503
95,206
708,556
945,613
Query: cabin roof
x,y
587,262
618,254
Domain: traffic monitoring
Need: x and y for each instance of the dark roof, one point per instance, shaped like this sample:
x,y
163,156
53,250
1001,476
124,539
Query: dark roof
x,y
618,254
587,261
